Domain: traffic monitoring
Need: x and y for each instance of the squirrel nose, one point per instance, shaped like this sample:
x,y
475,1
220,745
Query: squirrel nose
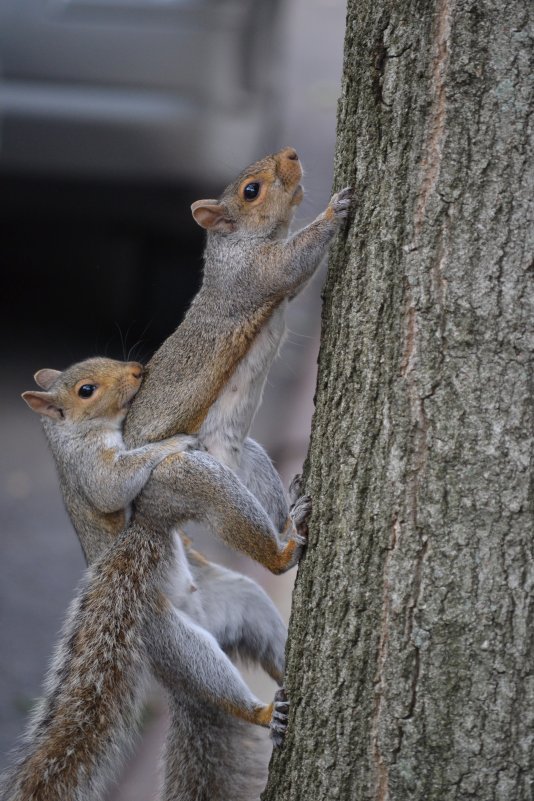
x,y
138,370
291,153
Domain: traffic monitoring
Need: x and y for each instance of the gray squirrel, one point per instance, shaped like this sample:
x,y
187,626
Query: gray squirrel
x,y
207,379
94,686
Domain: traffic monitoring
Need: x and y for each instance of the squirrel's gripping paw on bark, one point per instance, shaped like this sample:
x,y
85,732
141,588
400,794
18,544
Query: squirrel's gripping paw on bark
x,y
280,717
340,203
300,513
296,488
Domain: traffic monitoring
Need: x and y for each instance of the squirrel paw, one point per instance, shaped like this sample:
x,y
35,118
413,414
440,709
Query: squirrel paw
x,y
340,203
296,488
280,717
300,514
184,442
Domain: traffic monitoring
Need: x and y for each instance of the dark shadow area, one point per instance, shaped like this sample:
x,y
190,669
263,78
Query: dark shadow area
x,y
94,267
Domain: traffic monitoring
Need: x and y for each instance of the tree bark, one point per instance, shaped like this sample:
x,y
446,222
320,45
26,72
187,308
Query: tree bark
x,y
411,642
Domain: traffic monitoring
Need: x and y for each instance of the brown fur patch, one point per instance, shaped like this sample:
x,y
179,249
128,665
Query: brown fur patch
x,y
264,715
112,522
162,603
329,213
230,351
197,557
109,455
285,557
287,526
261,716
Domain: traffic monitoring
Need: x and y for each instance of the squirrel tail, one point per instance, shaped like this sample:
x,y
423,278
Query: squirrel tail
x,y
84,723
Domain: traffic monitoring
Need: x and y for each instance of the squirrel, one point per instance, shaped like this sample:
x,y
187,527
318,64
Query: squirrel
x,y
208,377
232,331
67,404
93,689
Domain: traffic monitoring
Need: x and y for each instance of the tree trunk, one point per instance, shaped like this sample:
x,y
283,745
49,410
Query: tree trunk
x,y
411,642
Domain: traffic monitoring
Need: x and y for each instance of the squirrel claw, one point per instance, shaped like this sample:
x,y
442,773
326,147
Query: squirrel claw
x,y
296,488
340,202
300,514
279,718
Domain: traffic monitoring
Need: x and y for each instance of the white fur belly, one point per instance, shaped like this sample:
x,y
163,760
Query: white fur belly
x,y
230,417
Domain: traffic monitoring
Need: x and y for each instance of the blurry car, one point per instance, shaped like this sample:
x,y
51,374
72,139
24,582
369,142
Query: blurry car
x,y
159,90
114,116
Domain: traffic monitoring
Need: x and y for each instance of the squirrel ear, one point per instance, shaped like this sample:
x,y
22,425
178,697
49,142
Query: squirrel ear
x,y
45,378
212,215
43,403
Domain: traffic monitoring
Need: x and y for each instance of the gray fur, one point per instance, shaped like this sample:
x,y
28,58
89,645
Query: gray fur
x,y
211,756
238,315
108,487
117,626
241,617
259,476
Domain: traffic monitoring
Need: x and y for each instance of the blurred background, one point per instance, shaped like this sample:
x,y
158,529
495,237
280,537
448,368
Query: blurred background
x,y
115,115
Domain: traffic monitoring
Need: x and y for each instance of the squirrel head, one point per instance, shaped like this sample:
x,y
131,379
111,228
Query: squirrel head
x,y
261,201
93,389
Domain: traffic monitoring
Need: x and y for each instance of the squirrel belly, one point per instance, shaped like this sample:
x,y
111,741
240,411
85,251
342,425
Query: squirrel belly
x,y
229,419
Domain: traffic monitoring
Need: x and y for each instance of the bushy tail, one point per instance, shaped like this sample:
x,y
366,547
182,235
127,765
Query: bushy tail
x,y
95,683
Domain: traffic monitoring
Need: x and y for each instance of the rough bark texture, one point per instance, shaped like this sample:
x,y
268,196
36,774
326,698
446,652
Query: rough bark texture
x,y
411,646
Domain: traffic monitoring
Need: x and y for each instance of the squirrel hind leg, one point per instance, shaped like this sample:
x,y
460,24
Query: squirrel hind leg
x,y
243,619
238,754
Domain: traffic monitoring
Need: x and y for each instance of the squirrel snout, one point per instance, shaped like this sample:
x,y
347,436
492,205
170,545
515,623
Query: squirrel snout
x,y
288,167
291,154
137,370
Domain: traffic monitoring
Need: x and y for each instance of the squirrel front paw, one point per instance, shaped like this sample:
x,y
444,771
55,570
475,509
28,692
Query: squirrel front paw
x,y
183,442
296,488
340,203
279,718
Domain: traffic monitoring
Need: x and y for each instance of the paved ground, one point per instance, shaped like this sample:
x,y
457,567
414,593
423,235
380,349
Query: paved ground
x,y
41,560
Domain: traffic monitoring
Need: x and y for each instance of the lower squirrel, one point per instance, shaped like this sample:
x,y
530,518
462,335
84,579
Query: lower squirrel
x,y
94,687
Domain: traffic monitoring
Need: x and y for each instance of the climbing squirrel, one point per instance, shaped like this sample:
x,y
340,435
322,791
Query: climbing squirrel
x,y
208,378
93,689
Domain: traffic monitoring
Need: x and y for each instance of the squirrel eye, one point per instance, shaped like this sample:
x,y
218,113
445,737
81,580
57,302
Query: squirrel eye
x,y
87,390
251,191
